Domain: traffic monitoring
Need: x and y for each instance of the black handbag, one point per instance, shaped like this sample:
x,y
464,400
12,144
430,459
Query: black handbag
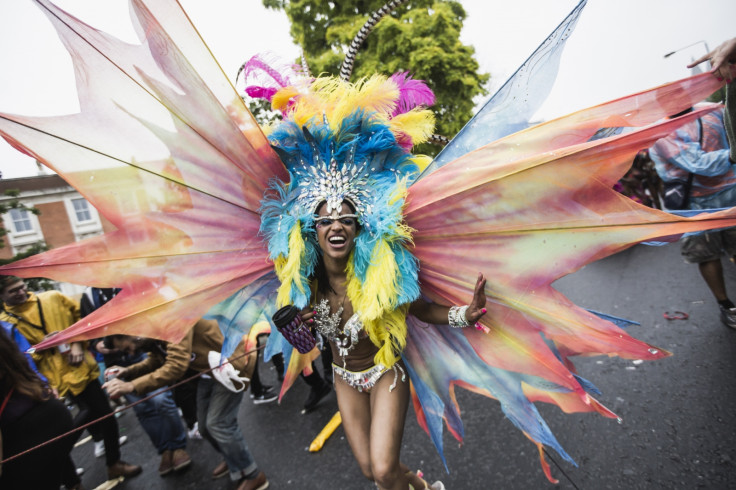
x,y
676,193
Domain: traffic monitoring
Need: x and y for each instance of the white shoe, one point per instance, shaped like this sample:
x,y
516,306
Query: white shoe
x,y
194,432
100,446
99,449
80,471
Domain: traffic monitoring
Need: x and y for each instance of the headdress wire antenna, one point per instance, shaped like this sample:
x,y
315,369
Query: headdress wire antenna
x,y
305,66
346,69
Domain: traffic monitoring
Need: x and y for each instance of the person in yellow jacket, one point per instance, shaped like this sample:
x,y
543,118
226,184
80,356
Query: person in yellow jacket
x,y
70,369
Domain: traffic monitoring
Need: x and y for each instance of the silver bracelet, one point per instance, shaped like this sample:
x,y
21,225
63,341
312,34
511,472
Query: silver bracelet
x,y
456,317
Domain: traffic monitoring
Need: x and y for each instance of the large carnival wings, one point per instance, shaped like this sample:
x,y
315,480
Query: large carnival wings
x,y
165,149
527,210
167,152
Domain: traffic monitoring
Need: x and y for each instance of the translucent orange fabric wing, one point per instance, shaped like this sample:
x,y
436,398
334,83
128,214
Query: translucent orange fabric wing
x,y
165,149
527,210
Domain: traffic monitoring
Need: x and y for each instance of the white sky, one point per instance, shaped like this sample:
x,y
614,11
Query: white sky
x,y
616,49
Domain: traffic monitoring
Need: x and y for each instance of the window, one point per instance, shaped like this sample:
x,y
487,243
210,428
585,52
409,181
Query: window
x,y
21,220
81,210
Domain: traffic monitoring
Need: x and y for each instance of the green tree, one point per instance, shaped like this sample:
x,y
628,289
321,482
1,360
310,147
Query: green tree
x,y
422,37
261,110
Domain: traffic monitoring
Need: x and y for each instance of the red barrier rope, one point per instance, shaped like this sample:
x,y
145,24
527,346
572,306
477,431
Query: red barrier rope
x,y
82,427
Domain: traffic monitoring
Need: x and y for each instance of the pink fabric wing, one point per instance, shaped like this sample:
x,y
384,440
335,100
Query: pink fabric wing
x,y
165,149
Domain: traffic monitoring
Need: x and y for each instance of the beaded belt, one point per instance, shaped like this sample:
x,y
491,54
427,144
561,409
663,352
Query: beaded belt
x,y
365,380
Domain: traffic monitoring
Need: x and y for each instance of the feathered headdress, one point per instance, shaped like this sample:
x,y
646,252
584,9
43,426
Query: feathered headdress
x,y
348,142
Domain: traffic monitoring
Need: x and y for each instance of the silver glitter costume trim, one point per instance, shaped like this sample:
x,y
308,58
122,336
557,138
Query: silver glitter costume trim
x,y
346,339
329,325
365,380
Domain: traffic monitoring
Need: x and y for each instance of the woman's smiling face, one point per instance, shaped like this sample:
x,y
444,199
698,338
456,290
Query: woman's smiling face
x,y
336,231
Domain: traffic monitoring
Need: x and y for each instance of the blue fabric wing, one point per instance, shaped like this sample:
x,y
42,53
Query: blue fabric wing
x,y
511,107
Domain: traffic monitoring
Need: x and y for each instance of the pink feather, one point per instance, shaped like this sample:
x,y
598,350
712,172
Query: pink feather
x,y
412,93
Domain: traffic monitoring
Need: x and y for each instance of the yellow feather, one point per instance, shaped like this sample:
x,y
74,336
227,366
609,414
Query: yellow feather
x,y
394,324
380,287
417,123
335,99
374,94
288,270
399,192
280,100
387,329
421,161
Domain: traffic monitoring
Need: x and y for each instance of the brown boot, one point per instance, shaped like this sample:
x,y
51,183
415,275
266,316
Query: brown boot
x,y
260,482
220,471
180,459
167,463
121,468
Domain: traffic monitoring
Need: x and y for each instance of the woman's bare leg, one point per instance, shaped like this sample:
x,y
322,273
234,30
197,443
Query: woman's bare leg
x,y
388,413
355,410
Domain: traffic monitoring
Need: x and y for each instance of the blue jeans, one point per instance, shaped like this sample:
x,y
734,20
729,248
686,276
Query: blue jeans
x,y
217,414
160,418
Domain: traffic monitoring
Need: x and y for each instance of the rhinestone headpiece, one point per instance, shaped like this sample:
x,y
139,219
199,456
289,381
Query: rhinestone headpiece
x,y
333,184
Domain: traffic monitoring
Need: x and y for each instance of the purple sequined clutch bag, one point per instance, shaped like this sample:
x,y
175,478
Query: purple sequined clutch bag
x,y
290,324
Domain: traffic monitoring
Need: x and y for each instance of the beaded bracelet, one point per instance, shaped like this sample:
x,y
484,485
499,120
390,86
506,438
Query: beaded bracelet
x,y
456,317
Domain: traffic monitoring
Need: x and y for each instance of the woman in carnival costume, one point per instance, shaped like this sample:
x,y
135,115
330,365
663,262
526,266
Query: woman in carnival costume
x,y
338,240
162,127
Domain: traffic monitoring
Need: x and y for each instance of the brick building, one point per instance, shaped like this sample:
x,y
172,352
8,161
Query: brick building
x,y
65,217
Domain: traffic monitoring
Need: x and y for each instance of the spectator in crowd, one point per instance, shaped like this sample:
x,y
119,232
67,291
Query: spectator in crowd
x,y
185,395
641,183
31,415
157,413
70,369
217,403
698,153
259,392
319,387
93,298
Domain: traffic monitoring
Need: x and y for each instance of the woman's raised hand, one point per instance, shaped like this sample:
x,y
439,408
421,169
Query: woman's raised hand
x,y
476,308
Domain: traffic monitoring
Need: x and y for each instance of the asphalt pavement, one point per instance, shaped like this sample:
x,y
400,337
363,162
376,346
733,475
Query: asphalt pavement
x,y
676,430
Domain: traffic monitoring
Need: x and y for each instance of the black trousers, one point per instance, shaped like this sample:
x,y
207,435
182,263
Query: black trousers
x,y
95,404
185,397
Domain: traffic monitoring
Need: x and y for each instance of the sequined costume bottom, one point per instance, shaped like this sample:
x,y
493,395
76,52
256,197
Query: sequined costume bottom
x,y
367,379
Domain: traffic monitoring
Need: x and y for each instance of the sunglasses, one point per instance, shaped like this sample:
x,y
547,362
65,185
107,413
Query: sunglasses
x,y
344,219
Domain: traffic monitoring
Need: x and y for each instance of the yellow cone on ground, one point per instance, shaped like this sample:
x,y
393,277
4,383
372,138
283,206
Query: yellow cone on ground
x,y
325,433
